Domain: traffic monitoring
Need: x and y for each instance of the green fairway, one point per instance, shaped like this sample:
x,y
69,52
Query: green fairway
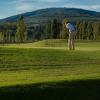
x,y
57,44
50,64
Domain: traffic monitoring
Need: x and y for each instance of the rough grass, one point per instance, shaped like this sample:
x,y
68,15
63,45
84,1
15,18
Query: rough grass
x,y
49,71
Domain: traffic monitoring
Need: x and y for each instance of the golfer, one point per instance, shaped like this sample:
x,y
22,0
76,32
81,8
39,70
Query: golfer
x,y
72,33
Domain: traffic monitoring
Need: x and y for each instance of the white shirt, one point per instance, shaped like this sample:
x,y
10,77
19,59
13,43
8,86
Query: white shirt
x,y
70,27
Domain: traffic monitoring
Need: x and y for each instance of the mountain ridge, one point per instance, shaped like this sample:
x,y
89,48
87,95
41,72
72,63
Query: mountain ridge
x,y
43,15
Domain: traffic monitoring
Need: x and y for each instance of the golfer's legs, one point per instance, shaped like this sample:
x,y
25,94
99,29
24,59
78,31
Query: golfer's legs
x,y
69,44
73,40
73,44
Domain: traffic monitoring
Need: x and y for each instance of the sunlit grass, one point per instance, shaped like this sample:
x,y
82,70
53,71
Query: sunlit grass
x,y
57,44
28,64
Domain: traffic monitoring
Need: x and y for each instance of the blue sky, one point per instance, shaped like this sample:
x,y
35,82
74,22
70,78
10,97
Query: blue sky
x,y
14,7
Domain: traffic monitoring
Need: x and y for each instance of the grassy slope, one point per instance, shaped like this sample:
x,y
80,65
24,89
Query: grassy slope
x,y
49,61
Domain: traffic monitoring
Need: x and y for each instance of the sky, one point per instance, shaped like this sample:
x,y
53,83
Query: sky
x,y
14,7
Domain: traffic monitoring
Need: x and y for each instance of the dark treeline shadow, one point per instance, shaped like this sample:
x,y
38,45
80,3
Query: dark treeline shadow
x,y
66,90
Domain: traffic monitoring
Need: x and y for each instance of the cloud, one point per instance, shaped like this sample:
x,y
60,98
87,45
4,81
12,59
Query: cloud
x,y
24,7
29,5
13,7
49,0
89,7
95,7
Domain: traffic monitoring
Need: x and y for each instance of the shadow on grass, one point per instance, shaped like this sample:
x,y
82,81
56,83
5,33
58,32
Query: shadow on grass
x,y
67,90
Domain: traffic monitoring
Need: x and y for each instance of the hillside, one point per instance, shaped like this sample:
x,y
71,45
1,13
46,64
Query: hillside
x,y
43,15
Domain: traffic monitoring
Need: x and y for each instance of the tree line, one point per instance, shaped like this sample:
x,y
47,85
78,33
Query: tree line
x,y
54,29
86,30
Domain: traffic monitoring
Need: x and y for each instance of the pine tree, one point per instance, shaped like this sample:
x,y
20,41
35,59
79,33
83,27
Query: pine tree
x,y
80,30
54,28
96,30
77,30
64,31
48,30
84,27
20,35
1,37
90,30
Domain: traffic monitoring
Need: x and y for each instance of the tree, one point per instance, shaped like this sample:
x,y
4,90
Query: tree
x,y
77,30
80,30
64,31
84,27
96,30
48,30
54,28
21,30
1,37
90,31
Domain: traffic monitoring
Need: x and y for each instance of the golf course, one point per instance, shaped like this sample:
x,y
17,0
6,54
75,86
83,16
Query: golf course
x,y
47,70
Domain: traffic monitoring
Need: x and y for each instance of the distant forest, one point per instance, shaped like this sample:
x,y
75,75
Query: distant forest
x,y
18,32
